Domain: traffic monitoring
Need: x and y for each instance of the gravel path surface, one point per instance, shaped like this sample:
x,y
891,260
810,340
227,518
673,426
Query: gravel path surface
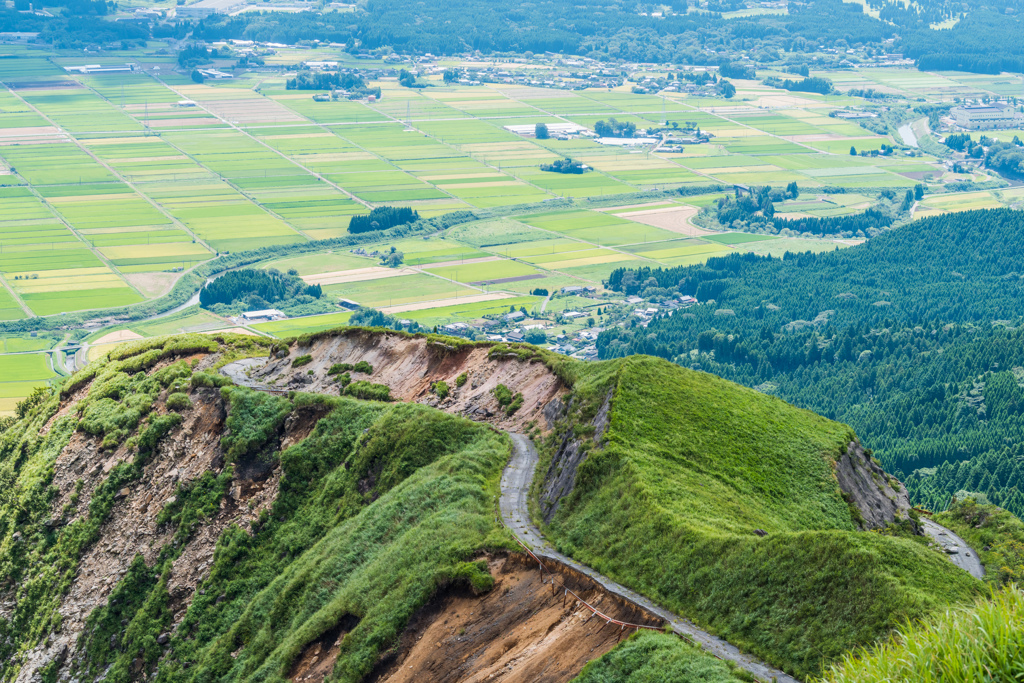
x,y
515,488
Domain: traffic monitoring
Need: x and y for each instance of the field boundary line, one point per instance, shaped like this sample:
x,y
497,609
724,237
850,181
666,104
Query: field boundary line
x,y
16,296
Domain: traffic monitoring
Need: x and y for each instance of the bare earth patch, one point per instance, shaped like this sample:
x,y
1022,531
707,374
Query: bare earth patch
x,y
356,275
423,305
520,631
153,285
674,219
117,337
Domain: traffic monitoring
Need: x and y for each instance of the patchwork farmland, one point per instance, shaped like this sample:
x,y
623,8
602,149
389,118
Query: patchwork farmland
x,y
112,186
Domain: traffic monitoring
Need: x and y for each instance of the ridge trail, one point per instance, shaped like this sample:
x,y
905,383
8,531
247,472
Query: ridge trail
x,y
514,507
515,491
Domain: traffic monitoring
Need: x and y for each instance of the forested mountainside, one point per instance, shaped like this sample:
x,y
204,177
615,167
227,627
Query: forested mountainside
x,y
912,338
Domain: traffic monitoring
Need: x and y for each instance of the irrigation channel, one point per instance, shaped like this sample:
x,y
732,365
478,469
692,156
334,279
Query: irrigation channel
x,y
514,507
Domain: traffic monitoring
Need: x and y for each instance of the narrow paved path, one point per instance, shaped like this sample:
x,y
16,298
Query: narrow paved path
x,y
966,557
515,490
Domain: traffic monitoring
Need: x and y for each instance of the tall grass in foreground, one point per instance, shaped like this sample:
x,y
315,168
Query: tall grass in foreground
x,y
983,643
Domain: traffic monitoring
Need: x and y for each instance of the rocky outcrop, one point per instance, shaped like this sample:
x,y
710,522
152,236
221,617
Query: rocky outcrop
x,y
561,475
878,497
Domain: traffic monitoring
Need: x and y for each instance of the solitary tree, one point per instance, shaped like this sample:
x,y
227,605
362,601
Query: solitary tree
x,y
541,131
197,77
728,90
853,151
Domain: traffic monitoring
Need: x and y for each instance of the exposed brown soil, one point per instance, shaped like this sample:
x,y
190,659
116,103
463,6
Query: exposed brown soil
x,y
408,367
184,455
519,631
318,658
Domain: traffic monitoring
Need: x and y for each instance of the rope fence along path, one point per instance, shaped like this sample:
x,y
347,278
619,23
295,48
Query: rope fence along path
x,y
513,504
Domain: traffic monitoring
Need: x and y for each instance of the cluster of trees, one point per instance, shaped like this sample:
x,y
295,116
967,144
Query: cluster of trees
x,y
730,70
371,317
257,289
565,166
985,41
911,338
601,28
382,218
195,54
996,476
407,79
276,27
1005,157
325,80
82,23
822,86
759,208
615,129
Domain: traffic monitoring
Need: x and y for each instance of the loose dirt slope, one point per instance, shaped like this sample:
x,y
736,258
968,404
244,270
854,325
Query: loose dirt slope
x,y
518,632
409,366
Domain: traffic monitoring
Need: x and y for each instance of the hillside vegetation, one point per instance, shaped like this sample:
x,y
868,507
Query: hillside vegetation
x,y
985,643
714,500
378,507
912,338
690,468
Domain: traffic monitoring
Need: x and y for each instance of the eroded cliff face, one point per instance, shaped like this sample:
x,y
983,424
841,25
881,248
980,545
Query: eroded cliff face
x,y
409,367
133,527
560,477
879,497
195,448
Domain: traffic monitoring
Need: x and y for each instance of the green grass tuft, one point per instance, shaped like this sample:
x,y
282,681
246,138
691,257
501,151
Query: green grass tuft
x,y
653,657
965,645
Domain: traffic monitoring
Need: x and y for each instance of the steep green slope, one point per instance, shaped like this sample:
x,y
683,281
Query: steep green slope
x,y
692,465
650,657
326,552
376,509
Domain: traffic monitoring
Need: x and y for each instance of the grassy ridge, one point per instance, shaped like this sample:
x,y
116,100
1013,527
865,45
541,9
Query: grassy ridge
x,y
332,549
691,467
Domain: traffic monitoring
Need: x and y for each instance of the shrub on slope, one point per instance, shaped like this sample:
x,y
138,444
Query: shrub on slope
x,y
651,657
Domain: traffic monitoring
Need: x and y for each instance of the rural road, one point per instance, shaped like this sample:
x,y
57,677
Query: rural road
x,y
515,490
966,558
